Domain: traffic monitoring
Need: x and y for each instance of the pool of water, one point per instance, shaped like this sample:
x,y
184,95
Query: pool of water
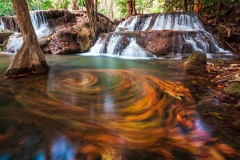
x,y
97,107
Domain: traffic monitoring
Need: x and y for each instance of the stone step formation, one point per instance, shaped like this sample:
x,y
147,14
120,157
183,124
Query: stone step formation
x,y
160,34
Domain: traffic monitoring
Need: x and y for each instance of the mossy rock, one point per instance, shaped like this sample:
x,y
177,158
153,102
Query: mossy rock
x,y
233,89
196,63
4,34
4,44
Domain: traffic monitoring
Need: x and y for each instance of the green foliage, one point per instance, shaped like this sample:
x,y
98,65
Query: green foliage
x,y
80,3
142,6
103,11
40,4
6,8
121,5
172,5
65,4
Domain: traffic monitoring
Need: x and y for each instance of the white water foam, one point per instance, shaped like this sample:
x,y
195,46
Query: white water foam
x,y
134,50
1,25
193,35
40,25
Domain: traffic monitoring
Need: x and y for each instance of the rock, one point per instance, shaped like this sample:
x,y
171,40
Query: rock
x,y
84,36
233,89
196,63
66,35
71,35
43,42
15,41
4,34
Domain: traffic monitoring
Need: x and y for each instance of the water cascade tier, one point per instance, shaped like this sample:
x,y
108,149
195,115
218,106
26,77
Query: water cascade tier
x,y
159,35
43,23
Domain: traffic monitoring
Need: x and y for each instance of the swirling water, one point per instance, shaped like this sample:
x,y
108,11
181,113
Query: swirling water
x,y
93,108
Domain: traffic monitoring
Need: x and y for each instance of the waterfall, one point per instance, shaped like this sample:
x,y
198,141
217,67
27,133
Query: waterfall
x,y
40,23
134,50
1,25
158,34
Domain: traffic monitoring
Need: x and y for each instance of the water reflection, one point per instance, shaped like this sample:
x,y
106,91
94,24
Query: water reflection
x,y
112,114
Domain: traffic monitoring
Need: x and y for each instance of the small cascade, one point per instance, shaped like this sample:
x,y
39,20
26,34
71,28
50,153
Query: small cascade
x,y
167,21
1,25
120,46
158,34
40,23
10,23
134,50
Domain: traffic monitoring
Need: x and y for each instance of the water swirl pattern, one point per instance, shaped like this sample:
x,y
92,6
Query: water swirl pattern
x,y
108,114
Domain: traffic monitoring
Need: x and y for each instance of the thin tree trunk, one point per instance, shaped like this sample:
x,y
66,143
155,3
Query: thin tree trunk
x,y
92,16
185,5
30,58
217,14
131,9
74,5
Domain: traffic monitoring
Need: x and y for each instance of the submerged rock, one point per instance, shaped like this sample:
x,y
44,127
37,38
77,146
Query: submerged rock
x,y
196,63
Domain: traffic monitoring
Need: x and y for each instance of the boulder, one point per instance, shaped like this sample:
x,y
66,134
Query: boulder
x,y
66,35
76,37
15,41
63,41
196,63
233,89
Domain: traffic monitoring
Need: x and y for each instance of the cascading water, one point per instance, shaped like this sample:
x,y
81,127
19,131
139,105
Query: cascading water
x,y
1,25
40,25
180,33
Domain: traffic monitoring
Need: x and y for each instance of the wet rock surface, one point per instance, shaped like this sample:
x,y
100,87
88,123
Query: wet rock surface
x,y
160,35
219,106
76,37
196,63
233,89
66,32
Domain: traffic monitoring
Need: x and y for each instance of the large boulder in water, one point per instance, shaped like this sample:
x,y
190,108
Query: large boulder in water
x,y
233,89
196,63
63,42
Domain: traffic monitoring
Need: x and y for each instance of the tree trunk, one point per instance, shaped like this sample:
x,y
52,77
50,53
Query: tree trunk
x,y
30,58
92,16
217,14
131,10
184,5
74,5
